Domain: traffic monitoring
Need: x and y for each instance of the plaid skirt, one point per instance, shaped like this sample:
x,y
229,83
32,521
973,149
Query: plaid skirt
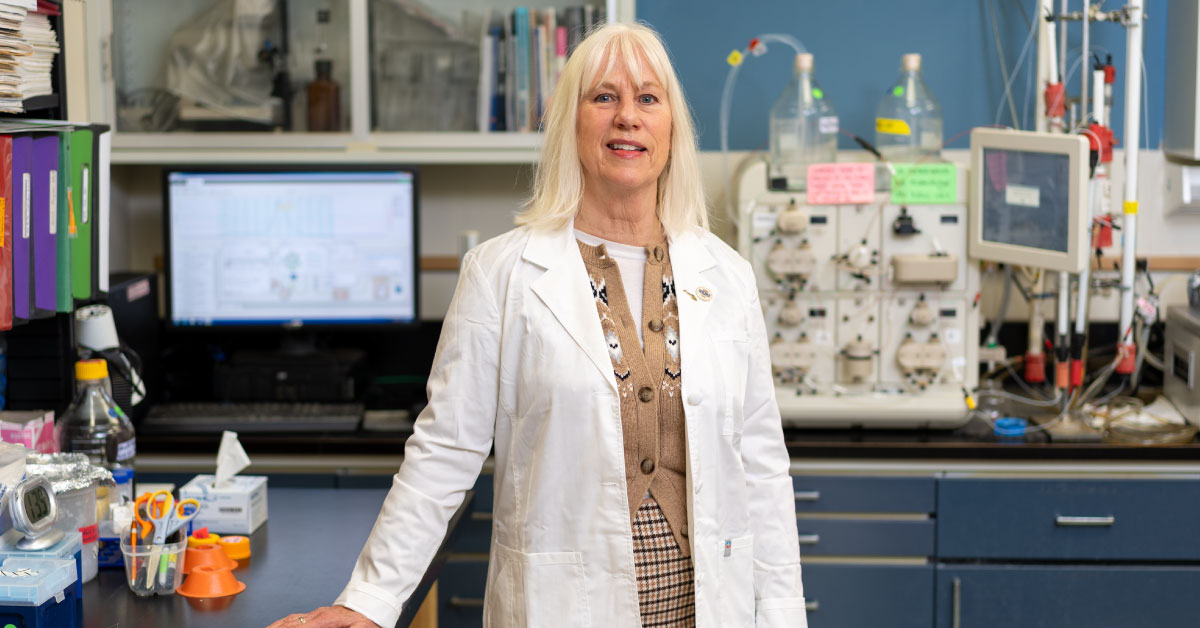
x,y
666,592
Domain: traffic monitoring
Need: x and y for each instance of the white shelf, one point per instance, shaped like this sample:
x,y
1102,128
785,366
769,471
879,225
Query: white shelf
x,y
416,148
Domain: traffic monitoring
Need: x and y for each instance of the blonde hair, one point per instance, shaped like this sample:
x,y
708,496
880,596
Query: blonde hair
x,y
558,180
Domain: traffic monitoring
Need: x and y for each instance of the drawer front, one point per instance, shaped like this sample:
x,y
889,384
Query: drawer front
x,y
475,533
869,596
852,537
460,594
1069,519
1066,597
819,493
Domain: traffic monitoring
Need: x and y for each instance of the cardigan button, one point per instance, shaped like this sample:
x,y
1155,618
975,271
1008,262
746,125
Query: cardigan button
x,y
684,531
646,394
647,466
658,253
656,325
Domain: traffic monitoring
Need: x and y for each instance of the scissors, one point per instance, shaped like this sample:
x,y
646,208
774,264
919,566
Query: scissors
x,y
168,516
141,526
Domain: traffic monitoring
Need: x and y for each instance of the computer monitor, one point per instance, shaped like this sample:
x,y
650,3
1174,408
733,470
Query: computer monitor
x,y
1029,199
290,246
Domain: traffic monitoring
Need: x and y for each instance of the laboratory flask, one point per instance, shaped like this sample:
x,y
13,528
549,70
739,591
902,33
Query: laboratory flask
x,y
804,126
908,122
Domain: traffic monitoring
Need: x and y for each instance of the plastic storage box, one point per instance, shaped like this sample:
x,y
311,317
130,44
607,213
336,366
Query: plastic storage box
x,y
69,548
38,593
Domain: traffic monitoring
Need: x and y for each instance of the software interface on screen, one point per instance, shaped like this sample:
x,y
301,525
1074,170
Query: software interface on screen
x,y
252,248
1026,199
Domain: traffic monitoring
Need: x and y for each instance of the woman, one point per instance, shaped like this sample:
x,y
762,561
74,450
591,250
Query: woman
x,y
613,351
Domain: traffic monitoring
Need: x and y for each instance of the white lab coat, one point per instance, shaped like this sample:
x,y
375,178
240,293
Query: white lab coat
x,y
522,363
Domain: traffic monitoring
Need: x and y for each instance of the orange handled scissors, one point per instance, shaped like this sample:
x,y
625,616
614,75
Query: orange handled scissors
x,y
168,516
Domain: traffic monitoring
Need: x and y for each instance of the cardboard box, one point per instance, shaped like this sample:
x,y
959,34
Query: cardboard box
x,y
34,429
239,508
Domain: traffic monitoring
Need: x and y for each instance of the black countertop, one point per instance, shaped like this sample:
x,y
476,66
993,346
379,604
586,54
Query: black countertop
x,y
301,558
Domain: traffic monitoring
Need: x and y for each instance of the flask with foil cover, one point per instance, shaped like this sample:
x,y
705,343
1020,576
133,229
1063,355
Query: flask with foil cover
x,y
908,121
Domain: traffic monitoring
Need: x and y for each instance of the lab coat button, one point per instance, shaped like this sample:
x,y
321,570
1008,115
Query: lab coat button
x,y
646,394
694,399
656,325
647,466
658,253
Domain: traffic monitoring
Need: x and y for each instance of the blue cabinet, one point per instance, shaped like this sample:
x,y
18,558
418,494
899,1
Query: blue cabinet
x,y
869,596
1063,596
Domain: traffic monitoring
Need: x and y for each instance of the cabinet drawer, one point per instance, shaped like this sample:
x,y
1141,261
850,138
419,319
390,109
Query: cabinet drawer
x,y
1066,597
852,537
1113,519
460,594
819,493
869,596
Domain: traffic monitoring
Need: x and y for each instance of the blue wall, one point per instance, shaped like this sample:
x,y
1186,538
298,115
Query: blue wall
x,y
857,45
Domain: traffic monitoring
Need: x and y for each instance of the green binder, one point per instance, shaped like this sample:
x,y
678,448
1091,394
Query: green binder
x,y
81,206
63,235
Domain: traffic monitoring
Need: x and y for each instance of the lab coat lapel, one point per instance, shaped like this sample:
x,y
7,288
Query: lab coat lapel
x,y
565,290
689,259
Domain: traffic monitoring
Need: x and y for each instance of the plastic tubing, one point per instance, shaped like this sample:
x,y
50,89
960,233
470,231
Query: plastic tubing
x,y
1015,72
726,108
994,334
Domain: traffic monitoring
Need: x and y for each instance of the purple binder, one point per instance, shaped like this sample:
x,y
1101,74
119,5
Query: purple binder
x,y
22,152
45,219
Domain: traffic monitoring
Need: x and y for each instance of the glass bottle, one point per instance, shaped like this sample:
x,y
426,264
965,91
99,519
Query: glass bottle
x,y
324,94
908,121
93,424
804,126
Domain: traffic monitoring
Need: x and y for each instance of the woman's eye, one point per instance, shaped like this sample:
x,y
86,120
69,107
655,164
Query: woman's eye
x,y
648,99
604,98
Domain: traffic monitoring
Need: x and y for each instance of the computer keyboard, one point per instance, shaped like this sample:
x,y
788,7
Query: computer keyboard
x,y
206,418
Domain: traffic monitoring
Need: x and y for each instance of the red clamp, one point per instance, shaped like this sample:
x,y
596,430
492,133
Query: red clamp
x,y
1101,140
1056,100
1076,373
1035,368
1105,238
1110,74
1128,353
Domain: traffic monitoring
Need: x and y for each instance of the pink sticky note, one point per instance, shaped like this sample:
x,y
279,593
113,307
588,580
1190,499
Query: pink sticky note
x,y
841,184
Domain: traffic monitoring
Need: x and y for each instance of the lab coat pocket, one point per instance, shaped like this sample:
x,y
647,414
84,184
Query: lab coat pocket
x,y
737,581
547,589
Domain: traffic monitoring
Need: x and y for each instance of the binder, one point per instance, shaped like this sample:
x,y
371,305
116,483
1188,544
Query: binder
x,y
44,195
81,215
6,239
22,156
101,179
66,228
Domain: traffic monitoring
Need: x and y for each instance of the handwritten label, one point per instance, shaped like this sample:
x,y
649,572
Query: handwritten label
x,y
827,124
841,184
892,126
53,202
925,184
85,198
1022,195
25,205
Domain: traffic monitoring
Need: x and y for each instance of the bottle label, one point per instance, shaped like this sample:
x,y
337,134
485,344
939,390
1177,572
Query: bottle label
x,y
127,449
90,533
892,127
827,124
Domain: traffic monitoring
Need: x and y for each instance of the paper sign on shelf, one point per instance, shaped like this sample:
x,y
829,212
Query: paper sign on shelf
x,y
841,184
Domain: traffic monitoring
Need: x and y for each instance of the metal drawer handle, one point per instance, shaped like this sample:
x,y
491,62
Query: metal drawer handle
x,y
810,539
808,496
811,605
956,612
465,602
1095,522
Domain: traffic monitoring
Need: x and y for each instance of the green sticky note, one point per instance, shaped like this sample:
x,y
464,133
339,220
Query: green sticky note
x,y
925,184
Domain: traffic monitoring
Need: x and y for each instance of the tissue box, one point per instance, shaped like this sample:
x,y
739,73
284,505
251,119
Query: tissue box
x,y
31,428
237,508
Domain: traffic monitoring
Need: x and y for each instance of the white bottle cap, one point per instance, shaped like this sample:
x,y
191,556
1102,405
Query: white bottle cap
x,y
911,62
804,62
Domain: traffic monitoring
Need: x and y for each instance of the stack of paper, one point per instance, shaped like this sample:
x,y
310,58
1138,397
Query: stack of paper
x,y
35,70
13,48
27,48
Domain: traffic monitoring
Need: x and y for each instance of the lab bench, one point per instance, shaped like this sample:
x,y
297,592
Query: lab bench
x,y
911,529
301,558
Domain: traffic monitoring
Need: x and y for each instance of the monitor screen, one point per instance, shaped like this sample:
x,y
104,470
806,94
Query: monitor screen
x,y
291,246
1026,198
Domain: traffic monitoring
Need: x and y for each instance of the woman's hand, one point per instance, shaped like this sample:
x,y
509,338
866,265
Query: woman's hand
x,y
326,617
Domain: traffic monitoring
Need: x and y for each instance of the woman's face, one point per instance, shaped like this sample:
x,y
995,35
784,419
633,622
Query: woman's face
x,y
624,133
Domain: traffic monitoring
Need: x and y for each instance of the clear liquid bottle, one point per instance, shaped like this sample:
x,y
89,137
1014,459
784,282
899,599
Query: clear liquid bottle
x,y
804,126
908,121
94,425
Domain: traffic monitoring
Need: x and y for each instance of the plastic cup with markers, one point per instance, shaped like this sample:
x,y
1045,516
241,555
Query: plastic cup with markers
x,y
153,568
